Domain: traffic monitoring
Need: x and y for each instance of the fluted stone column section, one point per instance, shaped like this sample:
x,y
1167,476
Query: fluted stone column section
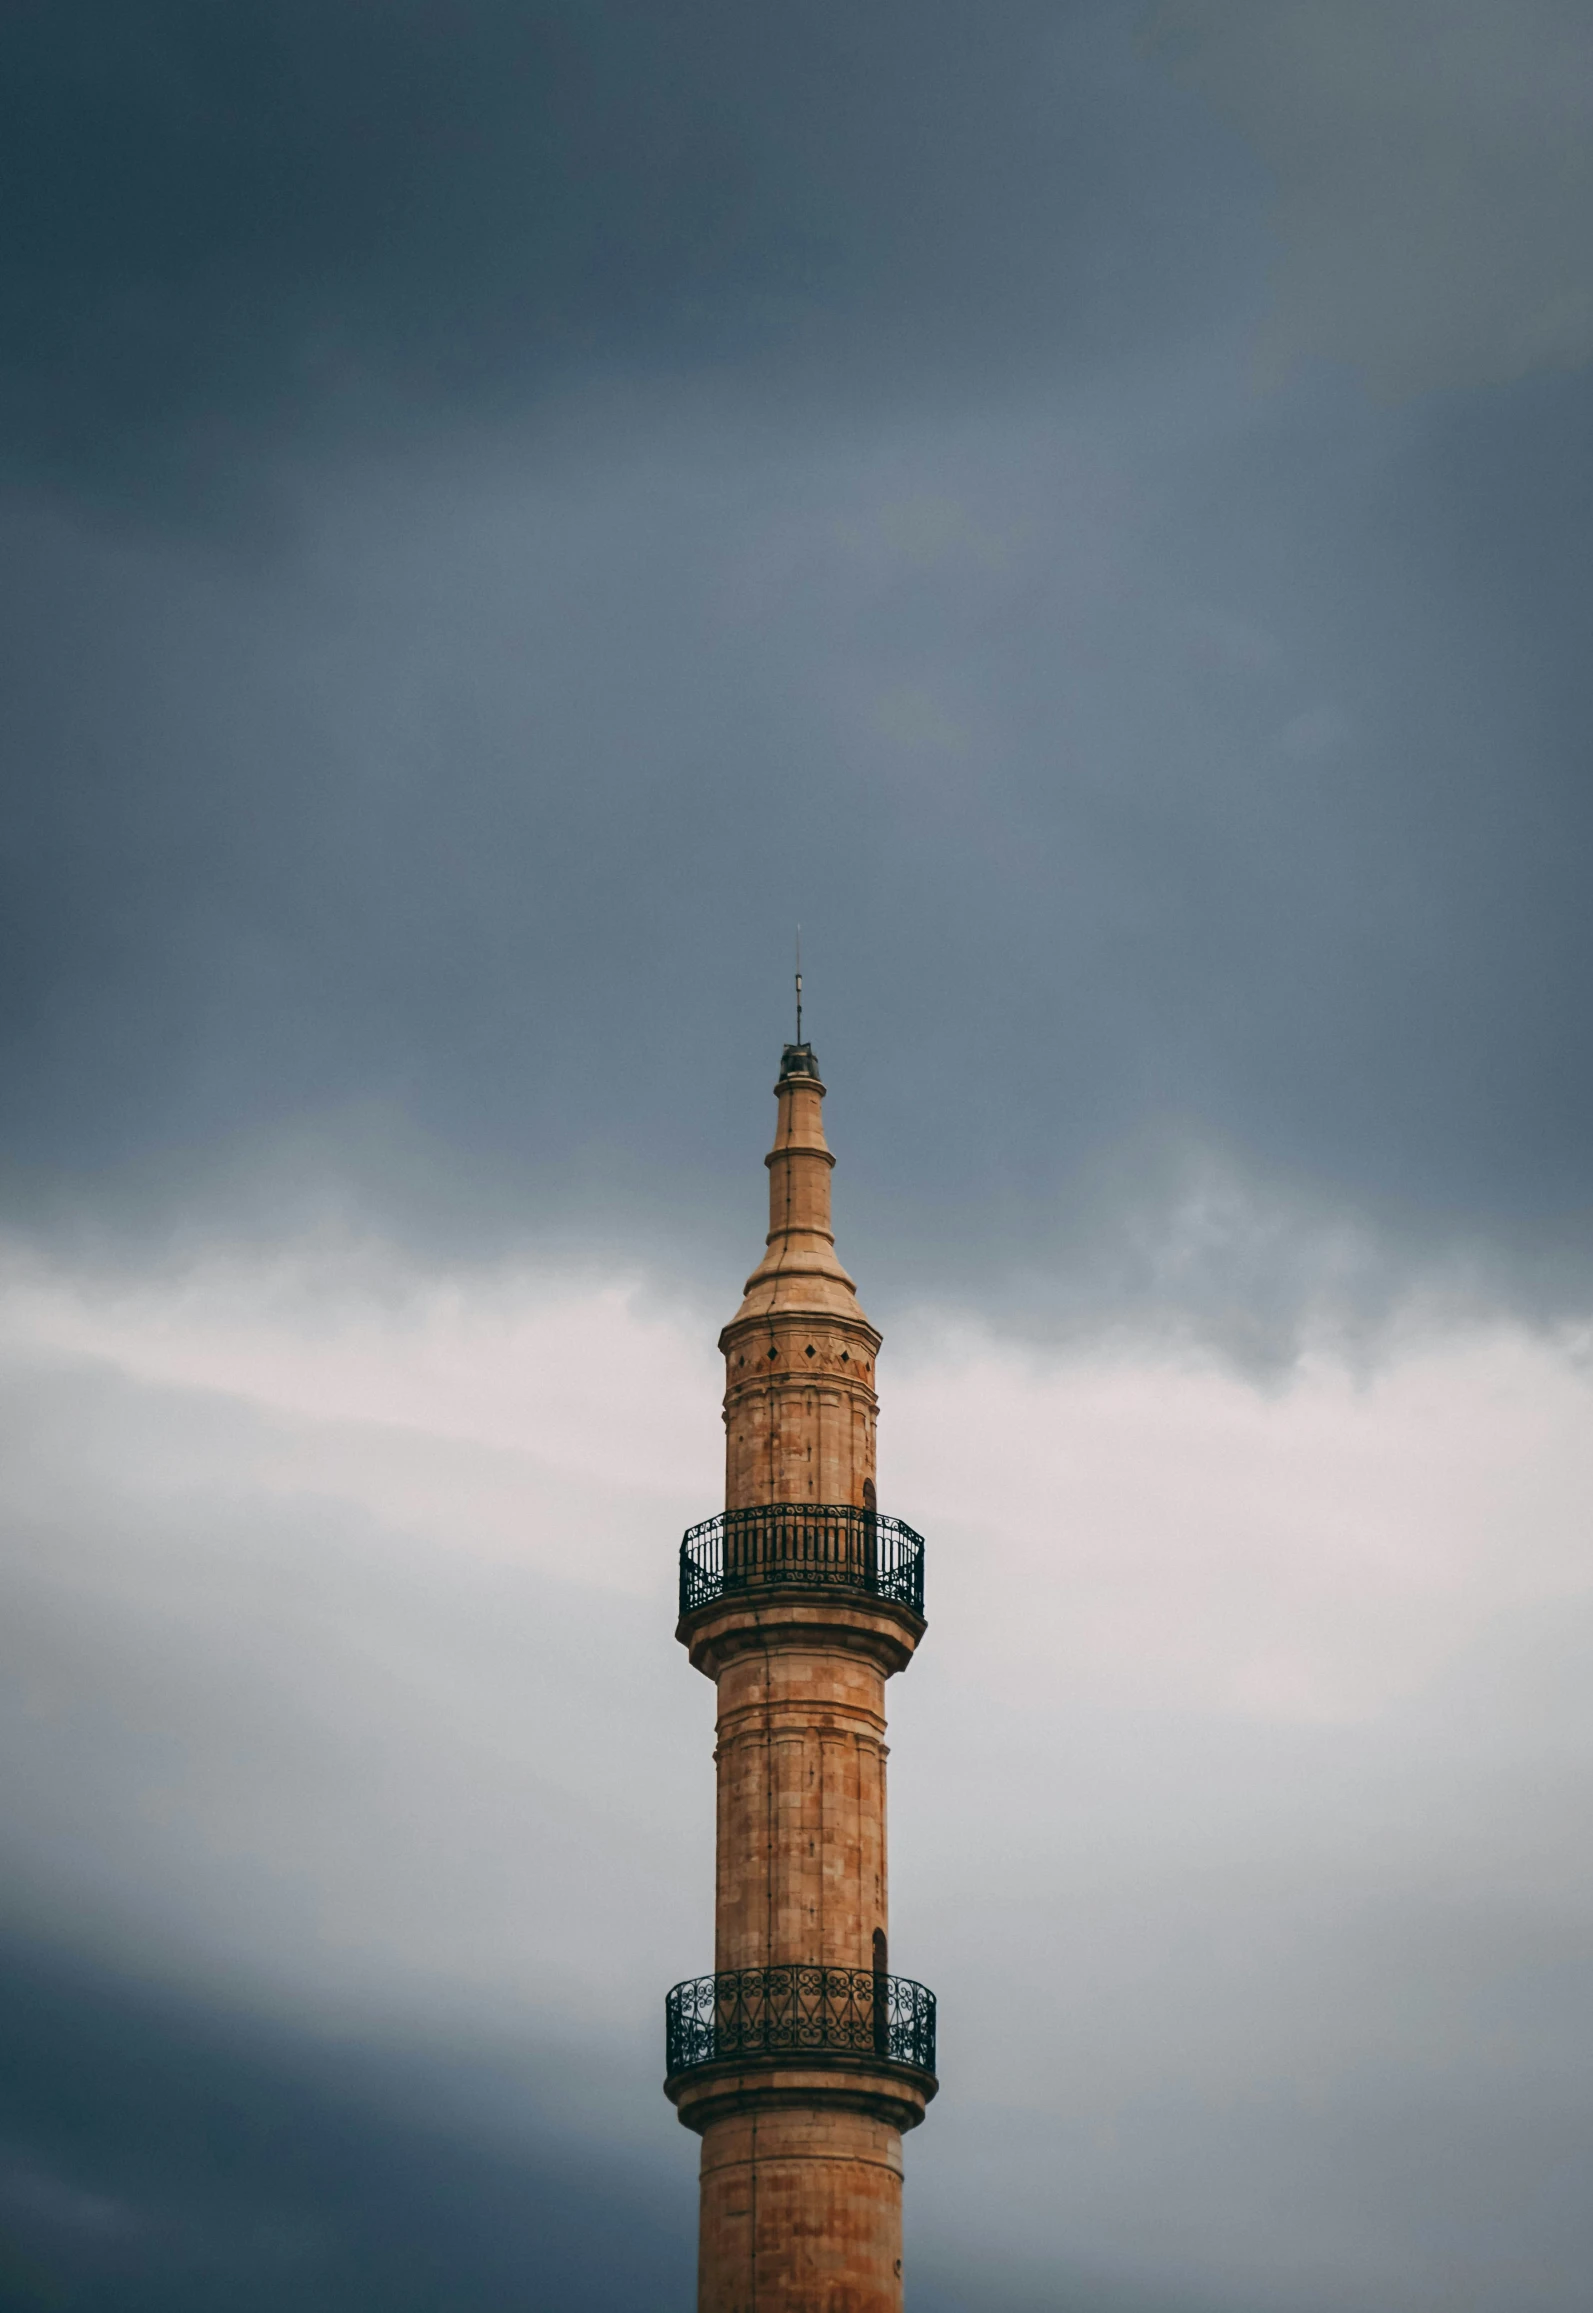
x,y
801,2167
801,1845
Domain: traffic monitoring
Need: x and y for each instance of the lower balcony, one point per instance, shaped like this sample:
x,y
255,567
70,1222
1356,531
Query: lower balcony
x,y
811,1545
800,2014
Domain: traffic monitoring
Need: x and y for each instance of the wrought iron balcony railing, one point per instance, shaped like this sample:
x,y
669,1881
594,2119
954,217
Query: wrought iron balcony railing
x,y
826,1545
803,2013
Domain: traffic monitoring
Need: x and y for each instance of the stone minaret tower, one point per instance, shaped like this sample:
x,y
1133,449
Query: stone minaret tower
x,y
802,2059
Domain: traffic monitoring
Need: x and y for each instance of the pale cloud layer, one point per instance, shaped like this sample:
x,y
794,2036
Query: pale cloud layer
x,y
1433,165
1231,1790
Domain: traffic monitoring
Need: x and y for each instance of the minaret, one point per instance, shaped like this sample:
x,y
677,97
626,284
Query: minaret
x,y
802,2059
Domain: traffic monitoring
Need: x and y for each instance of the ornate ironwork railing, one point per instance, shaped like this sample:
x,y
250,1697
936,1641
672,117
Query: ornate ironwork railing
x,y
807,2013
824,1544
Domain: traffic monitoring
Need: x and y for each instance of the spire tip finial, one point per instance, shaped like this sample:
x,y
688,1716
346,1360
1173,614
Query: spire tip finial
x,y
797,1059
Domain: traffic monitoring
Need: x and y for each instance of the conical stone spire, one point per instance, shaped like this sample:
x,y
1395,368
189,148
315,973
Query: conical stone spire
x,y
800,1409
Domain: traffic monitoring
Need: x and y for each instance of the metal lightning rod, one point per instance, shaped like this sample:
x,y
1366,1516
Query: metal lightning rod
x,y
799,982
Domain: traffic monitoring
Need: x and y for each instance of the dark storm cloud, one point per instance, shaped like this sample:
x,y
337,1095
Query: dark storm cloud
x,y
1434,176
156,2152
396,872
833,486
223,222
163,2154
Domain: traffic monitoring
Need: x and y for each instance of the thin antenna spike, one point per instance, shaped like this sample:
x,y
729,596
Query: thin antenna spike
x,y
799,982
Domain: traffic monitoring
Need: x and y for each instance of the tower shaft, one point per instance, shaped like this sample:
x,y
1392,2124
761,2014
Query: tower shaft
x,y
796,2080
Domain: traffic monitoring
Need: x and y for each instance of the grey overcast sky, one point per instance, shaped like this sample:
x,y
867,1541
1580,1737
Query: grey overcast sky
x,y
508,507
511,508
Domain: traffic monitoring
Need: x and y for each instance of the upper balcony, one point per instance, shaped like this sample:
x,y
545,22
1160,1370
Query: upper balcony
x,y
822,1546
